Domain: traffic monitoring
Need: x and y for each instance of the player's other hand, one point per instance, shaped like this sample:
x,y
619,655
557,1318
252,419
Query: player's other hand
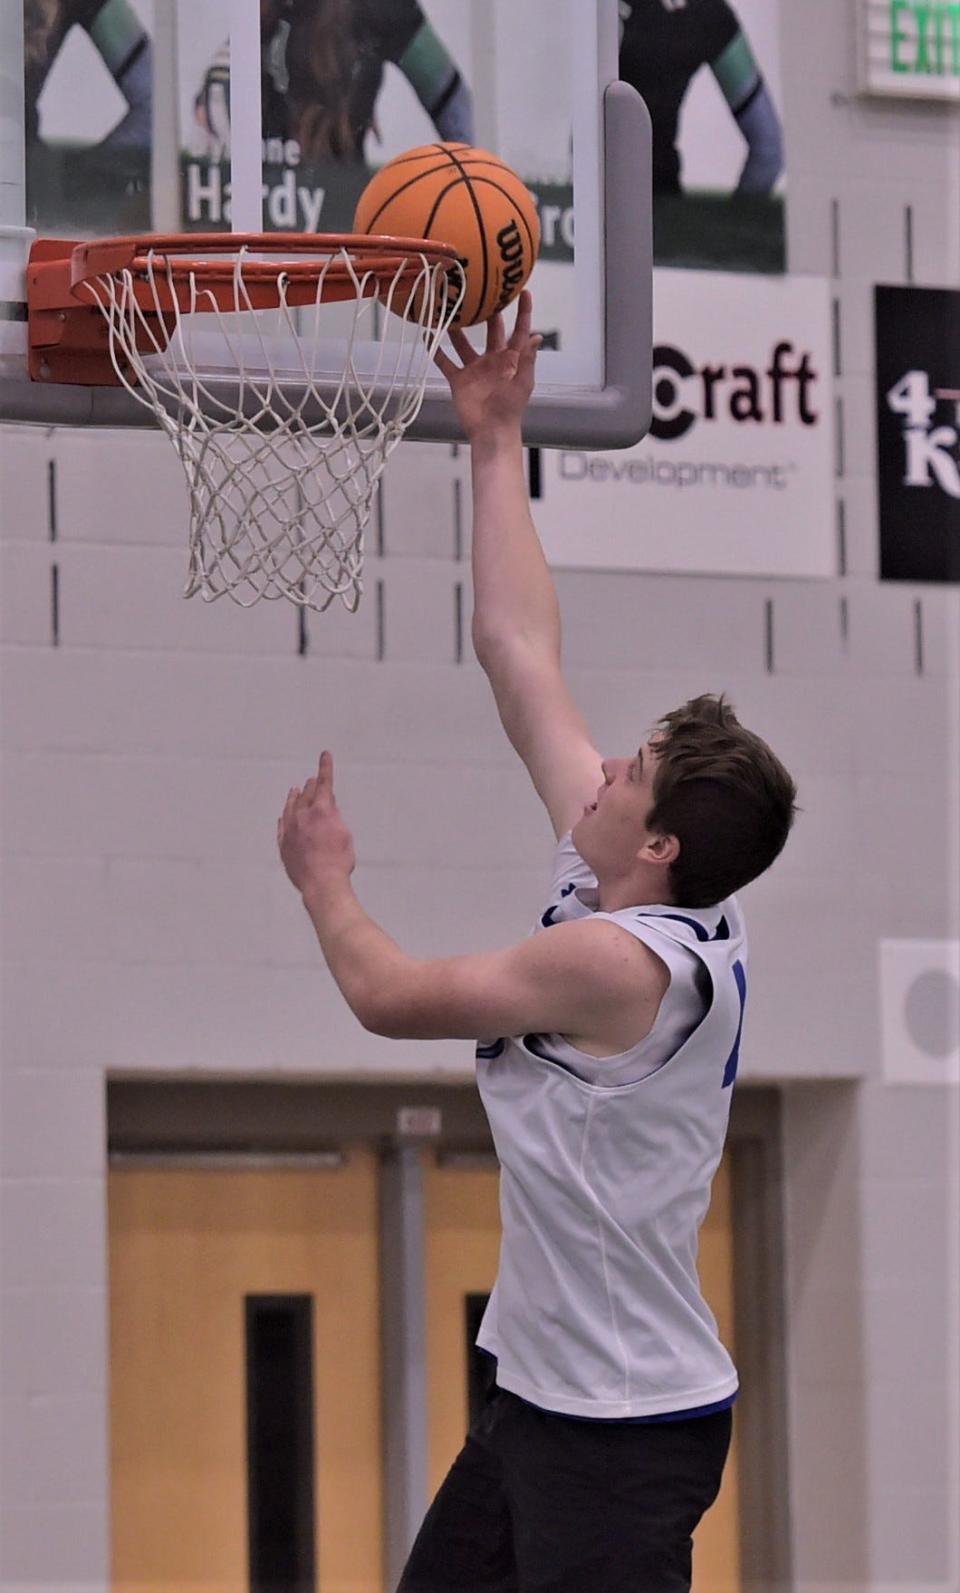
x,y
316,847
491,390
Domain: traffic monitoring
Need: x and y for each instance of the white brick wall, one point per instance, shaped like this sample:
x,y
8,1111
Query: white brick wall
x,y
147,925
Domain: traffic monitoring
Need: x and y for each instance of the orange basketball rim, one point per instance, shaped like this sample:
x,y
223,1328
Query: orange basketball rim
x,y
194,273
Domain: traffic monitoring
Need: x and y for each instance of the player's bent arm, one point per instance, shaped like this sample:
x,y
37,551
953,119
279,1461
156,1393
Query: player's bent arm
x,y
545,729
564,980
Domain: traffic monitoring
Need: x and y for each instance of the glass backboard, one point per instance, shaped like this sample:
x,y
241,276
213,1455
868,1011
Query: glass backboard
x,y
162,115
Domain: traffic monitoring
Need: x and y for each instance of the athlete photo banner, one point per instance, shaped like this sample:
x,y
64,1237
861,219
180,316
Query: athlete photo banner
x,y
737,475
709,71
88,91
918,432
324,72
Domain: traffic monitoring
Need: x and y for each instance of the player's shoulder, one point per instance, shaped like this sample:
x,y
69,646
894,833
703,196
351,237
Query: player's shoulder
x,y
598,953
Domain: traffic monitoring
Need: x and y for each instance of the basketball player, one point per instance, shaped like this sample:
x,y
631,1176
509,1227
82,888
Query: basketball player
x,y
663,44
116,31
323,65
609,1042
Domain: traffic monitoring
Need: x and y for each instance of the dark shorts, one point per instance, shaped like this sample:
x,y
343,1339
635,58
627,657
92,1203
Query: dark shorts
x,y
537,1502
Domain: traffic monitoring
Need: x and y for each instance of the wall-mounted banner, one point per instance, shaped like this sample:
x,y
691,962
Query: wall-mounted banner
x,y
918,432
737,474
709,71
910,48
89,115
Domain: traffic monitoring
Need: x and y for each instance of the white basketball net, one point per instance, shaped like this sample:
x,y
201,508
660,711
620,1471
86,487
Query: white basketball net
x,y
282,479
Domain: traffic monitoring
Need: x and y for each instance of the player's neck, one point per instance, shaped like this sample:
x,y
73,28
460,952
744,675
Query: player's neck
x,y
633,890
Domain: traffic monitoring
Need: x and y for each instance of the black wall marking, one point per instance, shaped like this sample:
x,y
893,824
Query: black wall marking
x,y
837,349
52,526
768,635
380,523
835,237
841,537
303,634
533,473
918,635
458,622
841,440
55,604
845,623
458,520
381,623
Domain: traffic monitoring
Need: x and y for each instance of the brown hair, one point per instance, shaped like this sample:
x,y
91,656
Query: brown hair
x,y
41,19
324,45
725,796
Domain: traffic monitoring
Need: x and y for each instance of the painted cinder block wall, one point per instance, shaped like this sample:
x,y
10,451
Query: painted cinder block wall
x,y
147,925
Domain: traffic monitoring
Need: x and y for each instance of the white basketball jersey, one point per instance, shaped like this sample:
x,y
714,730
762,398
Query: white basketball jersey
x,y
606,1166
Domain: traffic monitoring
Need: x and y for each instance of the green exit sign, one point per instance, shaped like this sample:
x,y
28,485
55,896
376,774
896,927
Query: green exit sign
x,y
911,48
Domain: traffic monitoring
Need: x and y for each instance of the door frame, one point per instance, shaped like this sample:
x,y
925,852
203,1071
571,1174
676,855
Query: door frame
x,y
236,1121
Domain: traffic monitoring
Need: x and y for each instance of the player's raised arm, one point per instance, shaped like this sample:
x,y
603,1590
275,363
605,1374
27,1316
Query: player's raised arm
x,y
516,618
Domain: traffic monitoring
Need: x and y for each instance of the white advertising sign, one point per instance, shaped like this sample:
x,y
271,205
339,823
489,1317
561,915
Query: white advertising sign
x,y
737,474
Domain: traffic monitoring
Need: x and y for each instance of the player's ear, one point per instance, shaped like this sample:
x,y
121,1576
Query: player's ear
x,y
661,849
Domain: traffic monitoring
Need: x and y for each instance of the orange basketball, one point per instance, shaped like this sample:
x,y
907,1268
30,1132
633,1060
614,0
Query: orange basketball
x,y
453,193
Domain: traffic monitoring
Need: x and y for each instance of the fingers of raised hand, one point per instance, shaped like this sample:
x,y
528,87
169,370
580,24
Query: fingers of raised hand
x,y
520,335
496,334
463,345
445,364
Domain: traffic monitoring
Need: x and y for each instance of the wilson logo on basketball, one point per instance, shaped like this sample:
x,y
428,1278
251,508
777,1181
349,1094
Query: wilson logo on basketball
x,y
510,244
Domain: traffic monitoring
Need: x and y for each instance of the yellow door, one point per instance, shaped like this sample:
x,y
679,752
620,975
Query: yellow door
x,y
186,1249
462,1246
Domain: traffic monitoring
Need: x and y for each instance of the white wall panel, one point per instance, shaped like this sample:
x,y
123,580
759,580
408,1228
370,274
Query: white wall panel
x,y
859,497
62,1546
54,1232
71,1107
629,621
127,597
120,488
25,453
54,907
59,702
53,1341
26,587
424,502
807,632
420,610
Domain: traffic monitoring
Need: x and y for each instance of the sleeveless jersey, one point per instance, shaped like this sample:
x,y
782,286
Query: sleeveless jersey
x,y
605,1173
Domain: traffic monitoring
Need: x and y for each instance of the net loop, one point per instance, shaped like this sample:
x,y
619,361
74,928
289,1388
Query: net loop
x,y
282,480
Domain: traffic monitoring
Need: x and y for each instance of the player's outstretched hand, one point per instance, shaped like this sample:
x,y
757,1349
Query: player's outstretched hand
x,y
491,390
315,845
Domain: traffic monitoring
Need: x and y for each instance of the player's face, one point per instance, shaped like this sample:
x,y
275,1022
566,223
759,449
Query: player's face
x,y
612,828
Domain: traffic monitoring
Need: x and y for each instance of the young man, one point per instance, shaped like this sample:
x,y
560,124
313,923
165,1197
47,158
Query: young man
x,y
608,1049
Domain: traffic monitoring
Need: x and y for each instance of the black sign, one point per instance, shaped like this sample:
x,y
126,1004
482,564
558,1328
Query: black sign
x,y
918,433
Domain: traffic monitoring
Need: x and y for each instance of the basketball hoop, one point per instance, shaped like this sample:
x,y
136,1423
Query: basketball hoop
x,y
282,481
